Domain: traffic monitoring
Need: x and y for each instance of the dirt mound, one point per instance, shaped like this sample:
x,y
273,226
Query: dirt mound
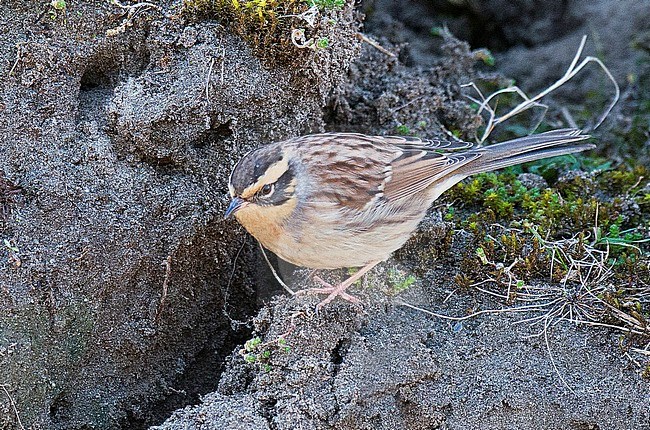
x,y
120,281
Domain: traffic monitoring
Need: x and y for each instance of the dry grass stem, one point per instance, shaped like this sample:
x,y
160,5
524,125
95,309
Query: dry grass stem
x,y
531,102
13,405
375,45
131,12
275,274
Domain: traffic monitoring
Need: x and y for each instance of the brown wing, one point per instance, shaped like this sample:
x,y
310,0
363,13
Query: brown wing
x,y
415,171
421,163
438,145
356,169
347,174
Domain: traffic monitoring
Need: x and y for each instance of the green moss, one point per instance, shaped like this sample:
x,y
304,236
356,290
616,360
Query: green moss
x,y
606,210
403,130
327,4
267,25
572,206
399,281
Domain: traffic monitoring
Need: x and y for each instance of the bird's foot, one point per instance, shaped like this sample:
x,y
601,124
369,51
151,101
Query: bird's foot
x,y
338,291
332,292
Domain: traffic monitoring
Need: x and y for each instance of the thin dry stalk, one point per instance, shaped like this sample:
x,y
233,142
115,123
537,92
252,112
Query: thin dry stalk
x,y
13,405
530,102
165,286
207,80
577,298
275,274
131,12
370,41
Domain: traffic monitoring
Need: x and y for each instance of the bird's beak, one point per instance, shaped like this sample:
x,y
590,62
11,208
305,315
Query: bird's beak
x,y
235,204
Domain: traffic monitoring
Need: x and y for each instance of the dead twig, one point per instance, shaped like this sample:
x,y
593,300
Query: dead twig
x,y
226,295
375,45
223,62
470,316
19,53
132,11
529,102
13,405
550,356
207,80
135,6
275,274
211,67
407,104
165,285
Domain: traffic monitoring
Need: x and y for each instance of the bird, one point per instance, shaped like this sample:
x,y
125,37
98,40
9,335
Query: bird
x,y
349,200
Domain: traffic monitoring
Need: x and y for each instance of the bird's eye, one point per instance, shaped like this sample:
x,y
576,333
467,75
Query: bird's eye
x,y
266,190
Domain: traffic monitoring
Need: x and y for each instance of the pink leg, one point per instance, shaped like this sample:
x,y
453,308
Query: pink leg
x,y
339,290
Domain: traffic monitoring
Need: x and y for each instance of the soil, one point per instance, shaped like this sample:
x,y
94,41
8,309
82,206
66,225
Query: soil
x,y
125,296
392,367
121,285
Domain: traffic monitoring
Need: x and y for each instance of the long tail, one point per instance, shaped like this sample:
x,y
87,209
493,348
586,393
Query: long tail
x,y
525,149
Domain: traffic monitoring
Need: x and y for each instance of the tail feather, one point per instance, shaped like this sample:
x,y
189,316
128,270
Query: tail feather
x,y
525,149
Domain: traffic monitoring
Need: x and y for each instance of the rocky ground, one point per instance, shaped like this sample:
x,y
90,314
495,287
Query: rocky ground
x,y
125,296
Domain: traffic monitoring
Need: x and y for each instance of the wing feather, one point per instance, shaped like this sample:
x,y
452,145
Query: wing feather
x,y
415,143
412,173
348,176
399,167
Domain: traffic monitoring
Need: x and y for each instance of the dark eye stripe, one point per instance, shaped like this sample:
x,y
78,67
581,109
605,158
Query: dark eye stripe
x,y
252,167
282,189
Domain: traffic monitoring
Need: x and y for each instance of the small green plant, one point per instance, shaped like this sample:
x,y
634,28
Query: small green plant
x,y
57,6
323,43
399,281
403,130
327,4
449,216
436,31
260,353
252,344
480,253
283,343
485,55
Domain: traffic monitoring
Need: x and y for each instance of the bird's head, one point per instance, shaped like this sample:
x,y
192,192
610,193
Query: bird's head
x,y
262,187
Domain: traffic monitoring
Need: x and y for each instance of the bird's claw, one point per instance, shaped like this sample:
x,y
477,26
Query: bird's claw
x,y
332,293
